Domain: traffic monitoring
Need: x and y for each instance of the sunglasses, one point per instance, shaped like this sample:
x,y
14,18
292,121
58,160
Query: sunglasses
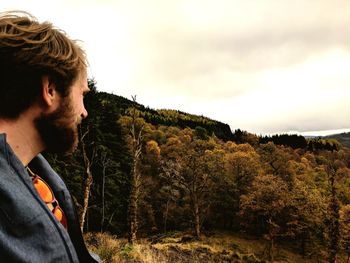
x,y
48,197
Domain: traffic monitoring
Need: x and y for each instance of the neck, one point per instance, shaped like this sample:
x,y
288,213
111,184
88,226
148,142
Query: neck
x,y
23,138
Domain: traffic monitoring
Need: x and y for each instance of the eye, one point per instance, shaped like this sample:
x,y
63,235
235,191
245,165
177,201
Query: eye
x,y
86,91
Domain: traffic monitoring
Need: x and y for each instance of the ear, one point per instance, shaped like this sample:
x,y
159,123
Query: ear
x,y
49,92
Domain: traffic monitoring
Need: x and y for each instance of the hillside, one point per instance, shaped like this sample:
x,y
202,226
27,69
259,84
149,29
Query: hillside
x,y
343,138
182,120
169,117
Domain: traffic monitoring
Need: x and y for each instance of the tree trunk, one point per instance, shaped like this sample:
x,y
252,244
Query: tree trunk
x,y
271,249
196,217
133,218
88,181
87,188
103,195
166,214
273,231
133,205
136,149
303,244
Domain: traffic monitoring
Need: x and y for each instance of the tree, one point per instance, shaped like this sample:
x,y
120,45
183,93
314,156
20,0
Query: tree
x,y
201,133
106,162
345,230
135,126
187,167
275,159
241,167
263,208
169,190
308,208
88,162
88,159
333,165
150,166
333,219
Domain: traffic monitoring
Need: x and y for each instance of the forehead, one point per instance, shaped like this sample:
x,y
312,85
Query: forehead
x,y
81,82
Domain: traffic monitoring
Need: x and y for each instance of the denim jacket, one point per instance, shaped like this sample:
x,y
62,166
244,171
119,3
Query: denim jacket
x,y
29,232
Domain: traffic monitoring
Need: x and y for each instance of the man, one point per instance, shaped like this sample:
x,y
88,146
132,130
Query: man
x,y
42,84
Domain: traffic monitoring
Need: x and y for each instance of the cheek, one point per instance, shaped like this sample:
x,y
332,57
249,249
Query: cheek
x,y
72,112
76,106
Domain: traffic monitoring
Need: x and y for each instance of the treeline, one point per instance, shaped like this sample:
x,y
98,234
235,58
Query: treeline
x,y
292,140
190,178
168,117
343,138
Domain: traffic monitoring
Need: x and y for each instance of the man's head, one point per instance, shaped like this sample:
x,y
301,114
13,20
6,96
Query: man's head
x,y
28,51
36,56
59,128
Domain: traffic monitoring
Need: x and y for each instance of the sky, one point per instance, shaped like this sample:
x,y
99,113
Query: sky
x,y
265,66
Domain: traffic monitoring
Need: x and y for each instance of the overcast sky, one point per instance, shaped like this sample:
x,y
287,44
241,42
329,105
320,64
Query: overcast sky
x,y
265,66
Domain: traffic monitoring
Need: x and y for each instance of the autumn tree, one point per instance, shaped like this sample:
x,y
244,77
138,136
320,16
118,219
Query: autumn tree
x,y
241,166
345,230
263,208
333,219
150,164
305,218
275,160
188,169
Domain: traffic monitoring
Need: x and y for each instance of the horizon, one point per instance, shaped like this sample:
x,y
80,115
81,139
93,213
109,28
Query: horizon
x,y
318,133
303,133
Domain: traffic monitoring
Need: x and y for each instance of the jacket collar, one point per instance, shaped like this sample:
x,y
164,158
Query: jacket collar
x,y
8,155
4,147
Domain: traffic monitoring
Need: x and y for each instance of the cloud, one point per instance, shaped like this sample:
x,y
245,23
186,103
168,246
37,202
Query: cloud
x,y
211,50
258,65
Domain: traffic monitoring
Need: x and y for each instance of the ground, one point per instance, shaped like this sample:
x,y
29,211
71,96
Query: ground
x,y
182,247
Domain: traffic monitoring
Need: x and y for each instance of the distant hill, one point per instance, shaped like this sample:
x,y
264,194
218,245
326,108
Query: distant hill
x,y
223,131
169,117
343,138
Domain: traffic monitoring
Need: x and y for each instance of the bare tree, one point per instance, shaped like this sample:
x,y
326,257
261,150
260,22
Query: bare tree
x,y
136,136
106,163
88,161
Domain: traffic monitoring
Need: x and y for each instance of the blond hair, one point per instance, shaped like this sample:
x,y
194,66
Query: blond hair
x,y
28,51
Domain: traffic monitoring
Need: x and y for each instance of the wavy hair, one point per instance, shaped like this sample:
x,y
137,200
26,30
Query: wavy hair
x,y
30,50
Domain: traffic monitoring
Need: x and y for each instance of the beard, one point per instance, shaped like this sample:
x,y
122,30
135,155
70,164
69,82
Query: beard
x,y
57,131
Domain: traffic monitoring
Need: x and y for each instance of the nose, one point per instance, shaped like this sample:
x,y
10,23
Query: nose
x,y
84,113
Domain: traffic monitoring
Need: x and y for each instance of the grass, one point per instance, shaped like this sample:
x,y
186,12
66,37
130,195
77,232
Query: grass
x,y
112,249
182,247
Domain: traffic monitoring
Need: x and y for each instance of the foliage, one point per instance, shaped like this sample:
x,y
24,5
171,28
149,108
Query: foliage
x,y
197,176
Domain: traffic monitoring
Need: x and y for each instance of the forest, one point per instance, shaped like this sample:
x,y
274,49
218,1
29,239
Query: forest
x,y
140,172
